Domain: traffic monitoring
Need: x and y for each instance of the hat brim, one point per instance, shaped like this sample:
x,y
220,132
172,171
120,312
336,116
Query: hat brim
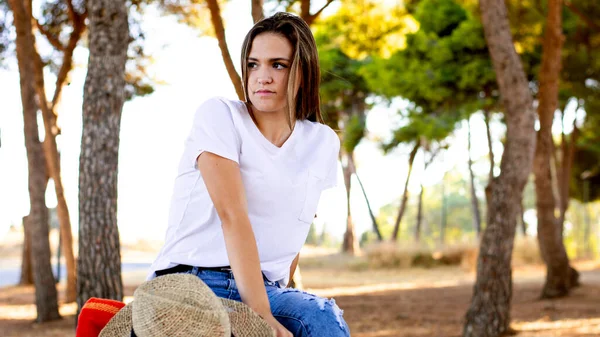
x,y
244,321
120,325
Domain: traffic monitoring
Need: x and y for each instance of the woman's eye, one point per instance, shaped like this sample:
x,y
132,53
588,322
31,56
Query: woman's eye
x,y
251,64
277,65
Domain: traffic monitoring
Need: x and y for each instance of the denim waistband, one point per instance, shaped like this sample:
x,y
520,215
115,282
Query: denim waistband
x,y
215,273
184,268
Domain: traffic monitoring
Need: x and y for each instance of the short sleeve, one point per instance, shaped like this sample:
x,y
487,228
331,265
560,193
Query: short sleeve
x,y
213,131
332,175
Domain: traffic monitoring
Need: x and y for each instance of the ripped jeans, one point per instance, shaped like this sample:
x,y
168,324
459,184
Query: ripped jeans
x,y
303,314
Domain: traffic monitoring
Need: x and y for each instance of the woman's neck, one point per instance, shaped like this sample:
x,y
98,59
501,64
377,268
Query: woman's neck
x,y
274,126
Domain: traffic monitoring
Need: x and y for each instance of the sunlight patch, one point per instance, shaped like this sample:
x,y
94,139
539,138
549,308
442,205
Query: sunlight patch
x,y
589,323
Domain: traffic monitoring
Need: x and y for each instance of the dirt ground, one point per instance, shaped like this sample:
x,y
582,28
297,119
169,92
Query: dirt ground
x,y
386,303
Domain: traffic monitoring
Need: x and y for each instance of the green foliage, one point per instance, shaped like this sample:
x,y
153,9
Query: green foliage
x,y
367,28
445,71
581,53
5,31
580,80
580,227
438,72
385,220
432,127
440,17
353,133
193,13
328,240
458,214
341,84
343,88
54,17
586,164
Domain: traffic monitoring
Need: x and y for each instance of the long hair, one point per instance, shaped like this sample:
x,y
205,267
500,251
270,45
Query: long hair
x,y
305,104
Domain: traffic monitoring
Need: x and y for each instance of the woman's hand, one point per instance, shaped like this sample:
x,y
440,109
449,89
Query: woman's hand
x,y
280,330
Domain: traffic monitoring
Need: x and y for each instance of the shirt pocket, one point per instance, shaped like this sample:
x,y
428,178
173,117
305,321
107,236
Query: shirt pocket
x,y
314,186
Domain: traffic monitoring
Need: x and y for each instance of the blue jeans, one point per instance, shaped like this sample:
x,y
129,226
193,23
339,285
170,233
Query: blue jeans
x,y
303,314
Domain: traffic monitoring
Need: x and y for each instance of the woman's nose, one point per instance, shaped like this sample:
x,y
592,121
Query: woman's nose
x,y
264,78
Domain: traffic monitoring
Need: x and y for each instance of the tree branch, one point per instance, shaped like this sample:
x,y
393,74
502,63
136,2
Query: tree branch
x,y
582,16
305,10
257,10
322,8
217,22
72,13
51,38
67,63
313,17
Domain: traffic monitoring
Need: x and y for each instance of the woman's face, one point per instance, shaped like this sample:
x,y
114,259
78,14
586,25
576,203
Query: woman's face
x,y
269,63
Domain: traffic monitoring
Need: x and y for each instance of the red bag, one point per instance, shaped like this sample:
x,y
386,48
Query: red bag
x,y
95,314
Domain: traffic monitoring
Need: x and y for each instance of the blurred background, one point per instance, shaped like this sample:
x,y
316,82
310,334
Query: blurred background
x,y
411,87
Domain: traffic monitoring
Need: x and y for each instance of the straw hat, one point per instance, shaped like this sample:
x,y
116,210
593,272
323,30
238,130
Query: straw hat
x,y
183,305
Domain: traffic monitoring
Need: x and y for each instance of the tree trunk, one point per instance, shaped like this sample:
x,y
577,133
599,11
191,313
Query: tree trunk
x,y
26,273
411,160
305,10
419,215
486,115
53,165
350,244
257,10
373,219
99,263
489,312
51,148
474,199
444,212
521,215
217,22
36,224
49,144
558,275
568,156
420,207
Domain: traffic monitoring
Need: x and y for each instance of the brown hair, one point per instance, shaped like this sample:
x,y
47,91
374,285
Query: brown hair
x,y
305,104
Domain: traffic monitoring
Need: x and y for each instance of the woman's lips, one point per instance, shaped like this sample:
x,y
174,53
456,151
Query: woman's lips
x,y
264,92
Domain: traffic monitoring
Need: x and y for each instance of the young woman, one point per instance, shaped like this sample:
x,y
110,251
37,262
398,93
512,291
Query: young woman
x,y
250,180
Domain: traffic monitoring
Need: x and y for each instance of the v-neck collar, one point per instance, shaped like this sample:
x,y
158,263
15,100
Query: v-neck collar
x,y
272,148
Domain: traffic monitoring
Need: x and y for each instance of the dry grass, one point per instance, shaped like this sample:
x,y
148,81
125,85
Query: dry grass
x,y
387,255
526,252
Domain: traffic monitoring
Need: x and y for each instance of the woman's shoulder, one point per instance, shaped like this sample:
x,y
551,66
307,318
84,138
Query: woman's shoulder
x,y
221,104
220,109
321,139
322,132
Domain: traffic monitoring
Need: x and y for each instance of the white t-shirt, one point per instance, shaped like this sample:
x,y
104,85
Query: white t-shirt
x,y
282,185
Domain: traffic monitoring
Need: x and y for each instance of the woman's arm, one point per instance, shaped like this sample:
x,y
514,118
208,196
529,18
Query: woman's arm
x,y
223,181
